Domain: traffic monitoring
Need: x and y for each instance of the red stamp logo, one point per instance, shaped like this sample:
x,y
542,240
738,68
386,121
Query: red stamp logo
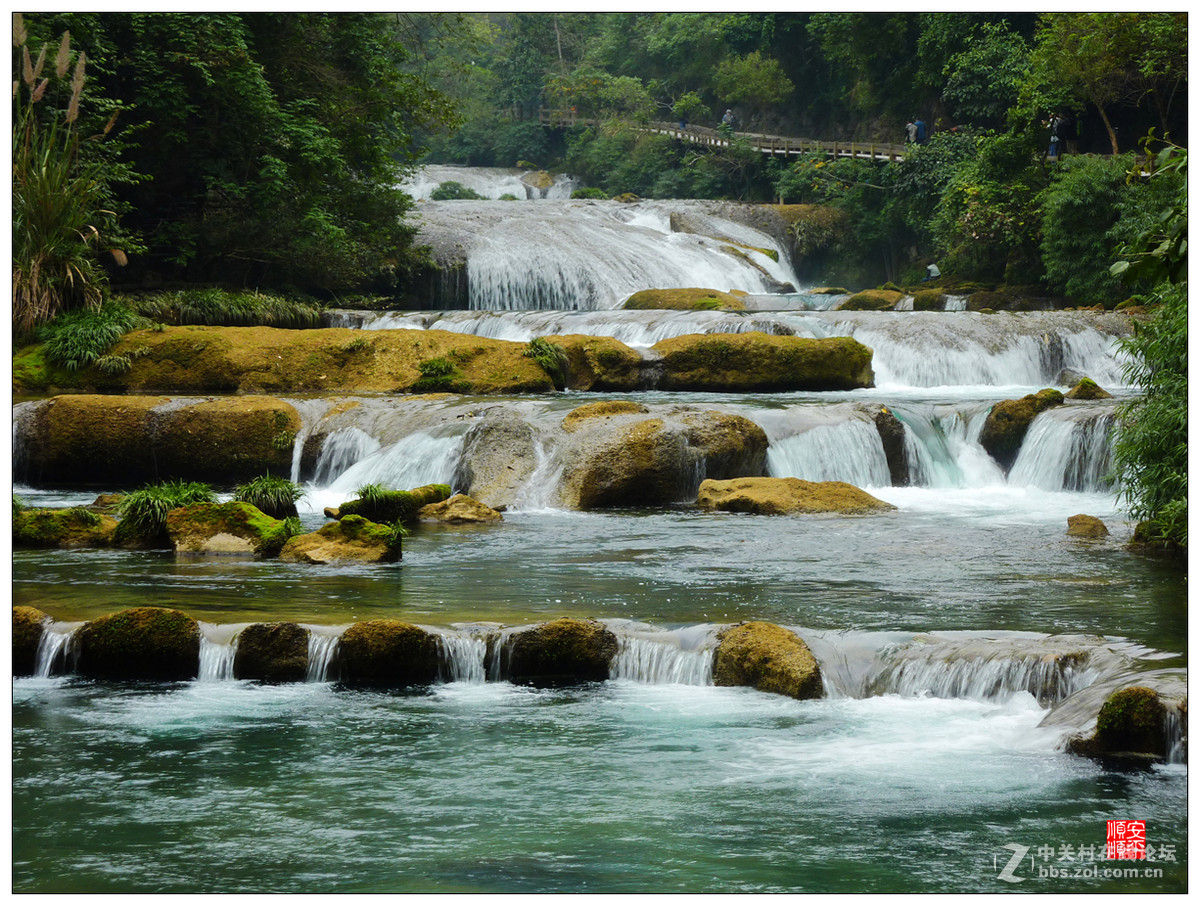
x,y
1126,839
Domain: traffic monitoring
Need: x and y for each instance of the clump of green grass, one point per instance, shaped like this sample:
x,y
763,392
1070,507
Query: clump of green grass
x,y
273,495
590,192
385,506
552,358
219,308
143,513
455,191
77,339
437,375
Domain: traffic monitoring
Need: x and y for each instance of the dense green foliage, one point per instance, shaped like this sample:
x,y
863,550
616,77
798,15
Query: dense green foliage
x,y
143,513
272,494
228,309
76,339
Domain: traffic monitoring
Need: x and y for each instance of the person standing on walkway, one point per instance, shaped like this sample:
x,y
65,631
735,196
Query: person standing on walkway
x,y
1055,124
910,131
921,134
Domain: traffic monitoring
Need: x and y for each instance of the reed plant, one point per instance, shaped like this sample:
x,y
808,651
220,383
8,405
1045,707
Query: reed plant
x,y
272,494
59,217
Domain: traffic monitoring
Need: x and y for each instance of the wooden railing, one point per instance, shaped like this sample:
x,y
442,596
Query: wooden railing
x,y
775,145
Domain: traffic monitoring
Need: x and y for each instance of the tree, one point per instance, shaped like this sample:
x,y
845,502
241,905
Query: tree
x,y
983,80
754,80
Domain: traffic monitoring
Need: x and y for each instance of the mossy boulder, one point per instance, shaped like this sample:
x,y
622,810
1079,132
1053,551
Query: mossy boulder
x,y
233,528
352,539
891,434
1009,420
929,300
1087,389
561,651
498,456
768,658
71,527
387,653
395,506
1131,722
599,363
151,643
1083,526
460,510
538,179
756,361
829,291
27,628
600,409
272,652
872,300
688,299
633,461
788,497
86,439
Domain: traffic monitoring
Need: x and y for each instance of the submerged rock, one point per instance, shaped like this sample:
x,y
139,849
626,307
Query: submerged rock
x,y
690,299
756,361
71,527
561,651
152,643
788,496
459,510
768,658
1087,389
1081,526
1006,425
387,653
230,529
27,629
1131,723
272,652
352,539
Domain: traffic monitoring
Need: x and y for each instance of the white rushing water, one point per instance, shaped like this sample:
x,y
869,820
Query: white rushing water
x,y
57,651
489,182
218,650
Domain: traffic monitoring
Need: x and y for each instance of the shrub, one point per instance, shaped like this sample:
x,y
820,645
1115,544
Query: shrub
x,y
454,191
273,495
76,339
590,192
551,357
143,513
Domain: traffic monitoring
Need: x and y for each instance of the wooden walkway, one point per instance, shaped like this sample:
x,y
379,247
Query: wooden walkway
x,y
775,145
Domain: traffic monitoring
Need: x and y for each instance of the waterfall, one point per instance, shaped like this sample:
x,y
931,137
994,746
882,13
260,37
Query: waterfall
x,y
322,646
1066,448
540,491
659,662
849,451
311,411
218,649
57,649
1176,737
943,448
340,450
418,459
995,677
490,182
464,655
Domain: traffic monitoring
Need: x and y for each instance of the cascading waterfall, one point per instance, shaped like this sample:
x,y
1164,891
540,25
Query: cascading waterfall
x,y
849,451
985,678
1067,448
942,444
322,647
57,648
218,650
540,492
660,662
1176,741
490,182
464,655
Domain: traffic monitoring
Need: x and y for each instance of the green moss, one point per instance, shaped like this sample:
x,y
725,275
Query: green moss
x,y
551,357
272,652
1009,420
387,652
141,643
768,658
27,629
562,651
872,300
1131,720
388,506
74,527
266,534
686,299
929,300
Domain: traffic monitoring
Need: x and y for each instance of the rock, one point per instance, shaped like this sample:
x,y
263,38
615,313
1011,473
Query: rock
x,y
272,652
829,291
929,300
691,299
352,539
561,651
233,528
150,643
387,653
498,456
891,434
788,496
871,300
1082,526
756,361
626,460
107,502
1132,721
395,506
128,438
600,409
599,363
72,527
459,510
1008,421
1087,389
768,658
27,629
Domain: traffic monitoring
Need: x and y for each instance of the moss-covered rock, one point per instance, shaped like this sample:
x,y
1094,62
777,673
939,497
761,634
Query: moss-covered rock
x,y
689,299
395,506
929,300
151,643
756,361
891,434
352,539
1082,526
872,300
86,439
768,658
1009,420
787,497
232,528
561,651
27,629
71,527
599,363
1131,721
460,510
272,652
1087,389
387,653
600,409
829,291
